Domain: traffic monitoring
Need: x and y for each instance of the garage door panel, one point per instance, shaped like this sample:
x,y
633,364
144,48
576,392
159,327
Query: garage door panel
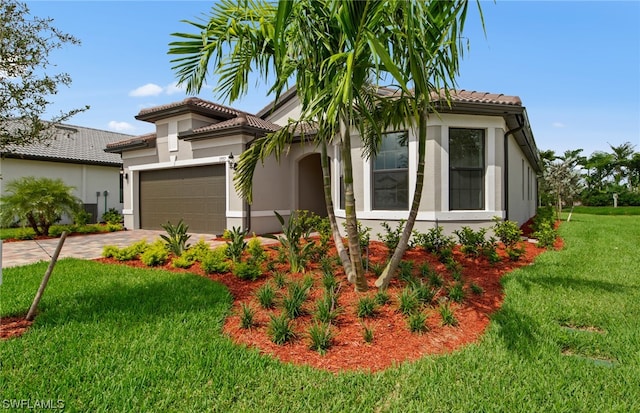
x,y
196,195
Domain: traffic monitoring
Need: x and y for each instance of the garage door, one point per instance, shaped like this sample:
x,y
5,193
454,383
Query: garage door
x,y
196,195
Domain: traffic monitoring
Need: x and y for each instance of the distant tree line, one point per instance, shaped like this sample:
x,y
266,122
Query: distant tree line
x,y
593,180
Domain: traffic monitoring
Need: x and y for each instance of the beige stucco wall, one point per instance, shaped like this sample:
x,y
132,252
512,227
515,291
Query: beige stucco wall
x,y
522,190
86,179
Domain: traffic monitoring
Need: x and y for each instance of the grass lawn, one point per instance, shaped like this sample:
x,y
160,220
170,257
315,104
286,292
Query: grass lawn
x,y
625,210
113,338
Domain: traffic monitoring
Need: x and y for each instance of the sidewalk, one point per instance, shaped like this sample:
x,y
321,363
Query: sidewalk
x,y
81,246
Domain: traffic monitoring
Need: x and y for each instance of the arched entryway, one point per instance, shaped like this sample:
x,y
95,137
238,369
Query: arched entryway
x,y
310,185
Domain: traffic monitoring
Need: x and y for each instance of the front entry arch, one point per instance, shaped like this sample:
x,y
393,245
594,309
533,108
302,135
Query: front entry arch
x,y
310,185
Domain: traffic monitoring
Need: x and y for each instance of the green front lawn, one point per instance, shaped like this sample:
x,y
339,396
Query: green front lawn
x,y
625,210
113,338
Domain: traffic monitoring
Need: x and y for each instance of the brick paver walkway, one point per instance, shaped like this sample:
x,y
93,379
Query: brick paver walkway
x,y
81,246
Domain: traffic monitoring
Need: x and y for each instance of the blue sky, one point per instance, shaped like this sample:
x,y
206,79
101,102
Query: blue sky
x,y
574,64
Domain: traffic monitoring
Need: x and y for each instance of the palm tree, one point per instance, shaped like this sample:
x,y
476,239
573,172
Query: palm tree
x,y
621,156
334,50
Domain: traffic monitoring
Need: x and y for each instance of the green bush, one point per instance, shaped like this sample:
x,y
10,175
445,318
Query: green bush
x,y
183,261
131,252
197,251
391,237
247,270
546,235
235,243
114,227
507,231
156,254
266,296
407,301
433,241
176,238
381,297
471,242
256,250
326,308
296,296
215,261
247,315
447,315
320,337
280,329
112,216
366,307
57,230
456,292
110,251
417,322
81,217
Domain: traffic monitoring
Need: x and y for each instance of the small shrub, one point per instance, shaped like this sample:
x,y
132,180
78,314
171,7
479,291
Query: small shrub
x,y
112,216
476,289
326,265
246,270
423,292
280,329
114,227
366,307
25,234
447,315
417,322
236,243
435,280
433,240
131,252
320,336
326,309
391,237
377,268
544,215
57,230
296,296
183,261
407,301
280,279
256,250
198,251
515,252
266,296
156,254
247,316
471,242
82,217
329,281
507,231
490,250
406,270
381,298
109,251
176,237
367,333
546,235
456,292
215,261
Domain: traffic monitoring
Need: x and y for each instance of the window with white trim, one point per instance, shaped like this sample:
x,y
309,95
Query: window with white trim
x,y
466,169
390,173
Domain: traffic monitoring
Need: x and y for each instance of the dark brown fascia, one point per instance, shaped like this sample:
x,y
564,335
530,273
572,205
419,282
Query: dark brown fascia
x,y
187,108
133,145
218,133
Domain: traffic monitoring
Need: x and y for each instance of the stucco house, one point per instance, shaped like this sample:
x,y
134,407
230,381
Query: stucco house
x,y
76,155
481,162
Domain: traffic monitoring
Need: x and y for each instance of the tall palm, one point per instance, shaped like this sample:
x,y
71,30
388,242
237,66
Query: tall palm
x,y
621,156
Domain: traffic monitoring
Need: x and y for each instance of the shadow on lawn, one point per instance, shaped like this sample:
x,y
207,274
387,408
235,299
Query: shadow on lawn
x,y
139,302
580,284
518,331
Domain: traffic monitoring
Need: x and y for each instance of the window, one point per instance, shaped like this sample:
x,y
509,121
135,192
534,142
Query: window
x,y
390,170
466,169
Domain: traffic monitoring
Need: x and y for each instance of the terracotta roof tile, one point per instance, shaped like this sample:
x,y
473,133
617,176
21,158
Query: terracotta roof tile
x,y
147,138
483,97
192,102
242,119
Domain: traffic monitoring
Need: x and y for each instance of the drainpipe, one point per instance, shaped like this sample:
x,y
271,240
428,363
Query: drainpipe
x,y
505,174
247,205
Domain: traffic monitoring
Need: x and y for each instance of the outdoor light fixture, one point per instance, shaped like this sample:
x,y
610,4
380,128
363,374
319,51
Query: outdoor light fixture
x,y
124,174
232,164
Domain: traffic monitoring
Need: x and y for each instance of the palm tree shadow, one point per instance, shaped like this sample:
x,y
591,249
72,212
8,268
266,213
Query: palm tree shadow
x,y
518,331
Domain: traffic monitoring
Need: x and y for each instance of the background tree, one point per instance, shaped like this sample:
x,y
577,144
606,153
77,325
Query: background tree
x,y
25,84
621,156
37,203
562,180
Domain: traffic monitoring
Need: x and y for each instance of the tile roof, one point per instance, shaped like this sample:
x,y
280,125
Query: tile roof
x,y
75,144
191,104
469,96
242,119
147,140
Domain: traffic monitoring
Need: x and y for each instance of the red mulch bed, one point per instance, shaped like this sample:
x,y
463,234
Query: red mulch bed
x,y
393,342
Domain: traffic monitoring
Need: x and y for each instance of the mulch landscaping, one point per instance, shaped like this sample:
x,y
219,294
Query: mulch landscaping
x,y
393,342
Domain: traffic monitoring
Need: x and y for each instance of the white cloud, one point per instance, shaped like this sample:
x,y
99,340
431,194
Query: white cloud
x,y
121,126
150,89
173,88
558,125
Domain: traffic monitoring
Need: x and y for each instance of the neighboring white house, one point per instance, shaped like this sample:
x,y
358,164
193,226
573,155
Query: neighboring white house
x,y
76,155
481,162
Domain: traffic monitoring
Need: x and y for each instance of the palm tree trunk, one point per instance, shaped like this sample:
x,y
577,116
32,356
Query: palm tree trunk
x,y
353,237
383,280
335,230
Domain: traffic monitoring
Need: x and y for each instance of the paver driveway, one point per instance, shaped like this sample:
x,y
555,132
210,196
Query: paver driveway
x,y
81,246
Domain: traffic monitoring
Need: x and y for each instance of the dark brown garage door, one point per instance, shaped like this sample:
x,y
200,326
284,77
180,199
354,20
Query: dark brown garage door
x,y
196,195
